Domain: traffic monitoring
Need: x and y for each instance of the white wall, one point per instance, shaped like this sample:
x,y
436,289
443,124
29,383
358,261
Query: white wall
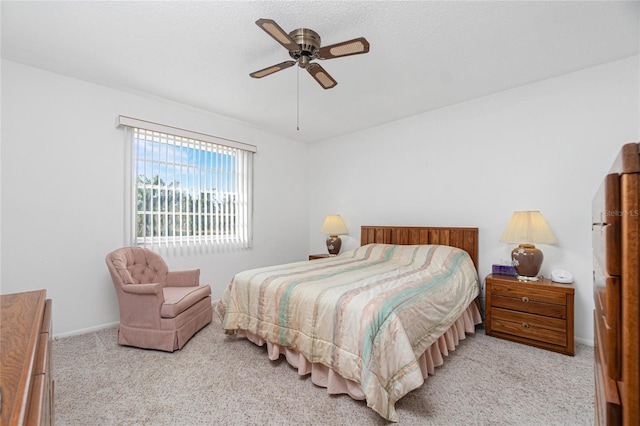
x,y
63,188
544,146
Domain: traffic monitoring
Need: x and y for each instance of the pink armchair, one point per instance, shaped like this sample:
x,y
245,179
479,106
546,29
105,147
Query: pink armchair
x,y
159,309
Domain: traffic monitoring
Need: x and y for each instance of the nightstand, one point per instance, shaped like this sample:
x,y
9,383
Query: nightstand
x,y
534,313
318,256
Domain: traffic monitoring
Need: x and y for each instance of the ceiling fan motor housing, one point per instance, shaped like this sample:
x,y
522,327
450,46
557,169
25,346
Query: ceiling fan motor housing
x,y
309,43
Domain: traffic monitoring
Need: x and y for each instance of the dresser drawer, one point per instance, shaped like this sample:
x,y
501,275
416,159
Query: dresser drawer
x,y
42,355
38,401
608,406
529,326
531,300
606,228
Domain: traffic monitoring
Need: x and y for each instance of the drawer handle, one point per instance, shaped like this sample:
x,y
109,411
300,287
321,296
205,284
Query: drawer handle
x,y
525,299
525,325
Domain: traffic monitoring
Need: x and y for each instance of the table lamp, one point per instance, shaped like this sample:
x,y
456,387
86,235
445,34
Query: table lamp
x,y
334,225
526,229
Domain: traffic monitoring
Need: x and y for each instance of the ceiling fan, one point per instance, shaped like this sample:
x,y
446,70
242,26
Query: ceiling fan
x,y
304,46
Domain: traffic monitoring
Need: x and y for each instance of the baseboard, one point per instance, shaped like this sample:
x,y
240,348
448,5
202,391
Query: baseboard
x,y
584,341
98,327
214,303
85,330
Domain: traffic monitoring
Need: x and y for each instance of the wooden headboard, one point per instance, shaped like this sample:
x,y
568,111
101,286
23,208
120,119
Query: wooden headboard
x,y
464,238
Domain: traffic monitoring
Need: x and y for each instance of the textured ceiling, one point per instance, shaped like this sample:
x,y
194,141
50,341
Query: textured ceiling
x,y
424,55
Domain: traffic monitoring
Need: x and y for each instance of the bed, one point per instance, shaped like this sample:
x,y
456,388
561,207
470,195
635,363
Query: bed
x,y
372,322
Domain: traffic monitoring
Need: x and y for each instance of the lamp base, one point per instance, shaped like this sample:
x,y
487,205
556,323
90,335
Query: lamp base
x,y
334,243
526,279
527,260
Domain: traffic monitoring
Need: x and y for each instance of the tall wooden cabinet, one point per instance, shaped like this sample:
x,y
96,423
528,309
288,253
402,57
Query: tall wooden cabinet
x,y
616,285
25,359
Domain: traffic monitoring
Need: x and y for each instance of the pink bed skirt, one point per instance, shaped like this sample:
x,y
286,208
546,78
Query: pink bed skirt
x,y
322,375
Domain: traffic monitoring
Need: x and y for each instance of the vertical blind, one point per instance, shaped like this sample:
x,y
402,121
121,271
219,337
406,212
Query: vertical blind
x,y
189,191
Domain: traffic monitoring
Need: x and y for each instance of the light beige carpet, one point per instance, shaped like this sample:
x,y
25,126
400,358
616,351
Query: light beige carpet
x,y
216,379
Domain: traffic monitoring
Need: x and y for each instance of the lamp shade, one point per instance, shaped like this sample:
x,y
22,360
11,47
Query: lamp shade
x,y
333,225
528,227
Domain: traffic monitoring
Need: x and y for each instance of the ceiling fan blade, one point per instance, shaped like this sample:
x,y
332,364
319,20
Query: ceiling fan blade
x,y
278,34
321,76
356,46
274,68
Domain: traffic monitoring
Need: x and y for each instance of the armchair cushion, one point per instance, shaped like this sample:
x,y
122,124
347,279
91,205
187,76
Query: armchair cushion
x,y
178,299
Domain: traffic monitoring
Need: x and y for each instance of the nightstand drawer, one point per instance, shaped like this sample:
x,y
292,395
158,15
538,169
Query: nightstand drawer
x,y
545,329
540,302
545,309
531,333
534,294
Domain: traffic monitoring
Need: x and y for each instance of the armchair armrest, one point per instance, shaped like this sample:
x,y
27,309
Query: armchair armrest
x,y
187,278
140,305
142,288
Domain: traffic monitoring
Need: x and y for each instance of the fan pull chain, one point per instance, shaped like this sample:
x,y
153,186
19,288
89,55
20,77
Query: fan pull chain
x,y
298,99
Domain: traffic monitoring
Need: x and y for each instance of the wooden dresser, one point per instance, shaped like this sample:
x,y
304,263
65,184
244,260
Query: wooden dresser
x,y
616,285
534,313
25,368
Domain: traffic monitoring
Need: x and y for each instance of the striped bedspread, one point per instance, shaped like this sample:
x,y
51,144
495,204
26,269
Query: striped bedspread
x,y
368,314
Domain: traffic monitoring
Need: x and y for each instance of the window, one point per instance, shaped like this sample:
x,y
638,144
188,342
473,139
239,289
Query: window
x,y
188,188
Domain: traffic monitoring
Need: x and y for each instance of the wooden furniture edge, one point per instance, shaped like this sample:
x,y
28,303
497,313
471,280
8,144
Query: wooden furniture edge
x,y
17,373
